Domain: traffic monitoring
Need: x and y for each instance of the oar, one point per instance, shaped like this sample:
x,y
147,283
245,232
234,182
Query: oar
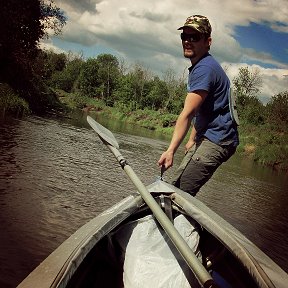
x,y
196,266
162,172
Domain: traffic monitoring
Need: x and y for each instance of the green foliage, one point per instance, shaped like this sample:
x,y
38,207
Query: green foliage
x,y
11,102
275,157
157,92
67,78
277,110
99,77
124,92
247,85
80,101
103,78
253,112
265,144
41,98
177,104
108,73
76,101
125,107
89,81
270,146
22,25
151,119
47,63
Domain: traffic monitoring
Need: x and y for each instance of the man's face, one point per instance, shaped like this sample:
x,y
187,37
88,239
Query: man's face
x,y
195,45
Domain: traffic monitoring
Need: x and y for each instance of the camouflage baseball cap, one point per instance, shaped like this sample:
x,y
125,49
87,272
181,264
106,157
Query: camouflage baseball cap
x,y
199,23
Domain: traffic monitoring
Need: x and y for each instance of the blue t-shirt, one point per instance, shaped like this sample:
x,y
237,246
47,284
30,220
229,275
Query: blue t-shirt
x,y
213,120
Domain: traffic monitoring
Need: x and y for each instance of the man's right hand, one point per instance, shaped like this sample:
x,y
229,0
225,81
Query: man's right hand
x,y
166,159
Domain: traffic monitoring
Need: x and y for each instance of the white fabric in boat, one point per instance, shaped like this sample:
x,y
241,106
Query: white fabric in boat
x,y
150,258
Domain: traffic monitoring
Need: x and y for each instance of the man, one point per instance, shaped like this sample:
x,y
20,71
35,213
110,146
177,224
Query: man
x,y
214,135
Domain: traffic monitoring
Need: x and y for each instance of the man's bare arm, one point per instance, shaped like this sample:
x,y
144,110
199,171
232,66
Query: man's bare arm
x,y
192,102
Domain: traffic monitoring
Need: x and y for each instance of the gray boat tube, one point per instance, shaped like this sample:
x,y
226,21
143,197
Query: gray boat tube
x,y
192,261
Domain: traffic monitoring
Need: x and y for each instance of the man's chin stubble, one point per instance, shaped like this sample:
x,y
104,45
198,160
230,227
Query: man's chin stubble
x,y
188,55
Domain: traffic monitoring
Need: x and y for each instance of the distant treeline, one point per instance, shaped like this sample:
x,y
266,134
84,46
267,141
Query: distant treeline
x,y
111,80
130,90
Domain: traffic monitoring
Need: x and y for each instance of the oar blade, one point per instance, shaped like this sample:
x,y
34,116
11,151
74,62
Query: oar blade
x,y
103,132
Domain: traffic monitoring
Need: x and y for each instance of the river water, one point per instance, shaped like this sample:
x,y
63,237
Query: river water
x,y
56,175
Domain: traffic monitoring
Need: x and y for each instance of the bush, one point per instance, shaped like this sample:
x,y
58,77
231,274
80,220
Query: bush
x,y
264,144
276,156
277,110
11,102
75,101
80,101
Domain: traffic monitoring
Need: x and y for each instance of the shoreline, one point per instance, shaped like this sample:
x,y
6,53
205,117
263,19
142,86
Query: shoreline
x,y
259,143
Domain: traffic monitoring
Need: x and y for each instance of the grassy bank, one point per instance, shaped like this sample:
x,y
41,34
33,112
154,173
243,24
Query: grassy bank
x,y
40,100
11,103
264,144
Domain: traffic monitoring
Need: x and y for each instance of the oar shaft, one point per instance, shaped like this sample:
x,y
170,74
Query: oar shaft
x,y
196,266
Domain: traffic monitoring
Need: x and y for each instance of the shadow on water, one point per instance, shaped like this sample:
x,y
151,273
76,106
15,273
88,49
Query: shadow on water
x,y
55,175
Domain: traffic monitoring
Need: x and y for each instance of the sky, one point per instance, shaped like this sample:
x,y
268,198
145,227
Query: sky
x,y
251,33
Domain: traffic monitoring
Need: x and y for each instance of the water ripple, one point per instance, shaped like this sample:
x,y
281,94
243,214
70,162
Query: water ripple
x,y
54,177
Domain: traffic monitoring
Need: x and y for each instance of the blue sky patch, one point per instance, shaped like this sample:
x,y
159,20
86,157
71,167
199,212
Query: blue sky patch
x,y
262,38
88,51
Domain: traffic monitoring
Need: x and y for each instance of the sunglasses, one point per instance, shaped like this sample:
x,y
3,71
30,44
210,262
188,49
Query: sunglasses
x,y
191,37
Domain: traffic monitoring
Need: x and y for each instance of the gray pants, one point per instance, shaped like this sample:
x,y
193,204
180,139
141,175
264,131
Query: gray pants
x,y
199,164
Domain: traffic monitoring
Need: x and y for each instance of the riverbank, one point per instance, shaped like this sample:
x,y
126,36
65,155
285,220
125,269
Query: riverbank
x,y
263,143
11,103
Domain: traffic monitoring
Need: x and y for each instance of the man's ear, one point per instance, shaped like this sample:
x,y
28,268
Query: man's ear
x,y
209,41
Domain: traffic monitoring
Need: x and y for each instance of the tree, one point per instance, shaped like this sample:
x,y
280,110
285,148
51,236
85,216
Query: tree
x,y
47,63
176,106
124,94
254,112
277,110
22,25
108,73
52,17
66,79
157,94
89,81
170,79
139,76
247,85
176,91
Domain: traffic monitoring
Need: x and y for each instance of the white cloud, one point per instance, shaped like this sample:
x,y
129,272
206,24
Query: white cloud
x,y
274,81
146,31
48,45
